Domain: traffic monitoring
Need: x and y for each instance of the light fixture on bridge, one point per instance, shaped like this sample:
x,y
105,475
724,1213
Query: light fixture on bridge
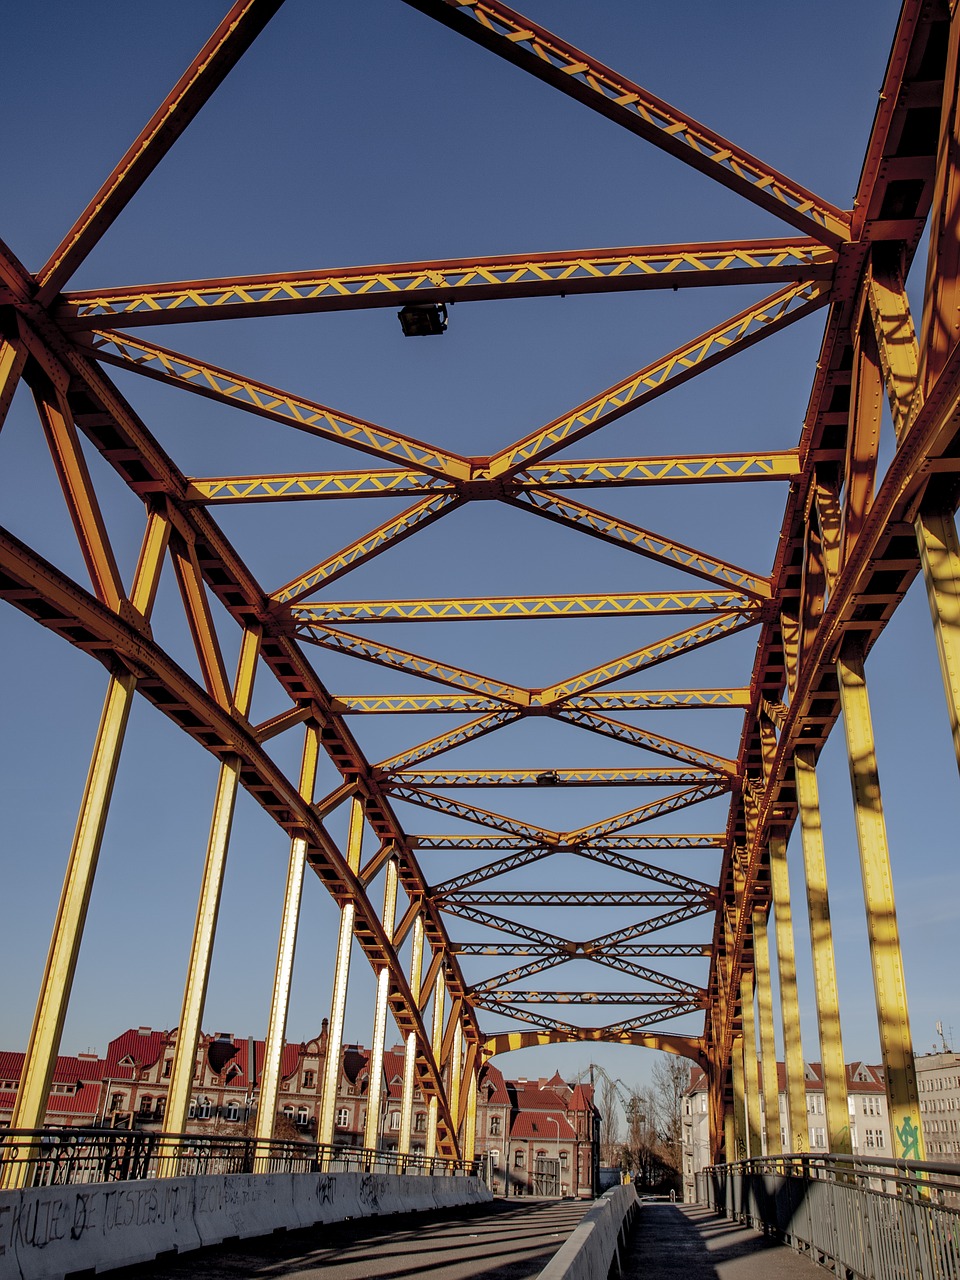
x,y
422,319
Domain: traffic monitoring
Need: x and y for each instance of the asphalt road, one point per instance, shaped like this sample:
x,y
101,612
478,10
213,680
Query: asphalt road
x,y
504,1240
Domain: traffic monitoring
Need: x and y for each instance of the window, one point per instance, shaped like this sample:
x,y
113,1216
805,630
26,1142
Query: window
x,y
302,1115
146,1105
495,1158
494,1125
394,1120
288,1112
161,1108
167,1068
819,1138
116,1102
563,1157
518,1158
233,1110
420,1122
192,1109
342,1118
204,1109
309,1079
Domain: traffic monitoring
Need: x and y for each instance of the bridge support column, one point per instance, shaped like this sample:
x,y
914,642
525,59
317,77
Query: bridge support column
x,y
433,1111
896,1043
824,965
341,976
371,1132
940,558
797,1133
43,1046
751,1074
208,906
768,1044
470,1121
410,1053
739,1151
286,948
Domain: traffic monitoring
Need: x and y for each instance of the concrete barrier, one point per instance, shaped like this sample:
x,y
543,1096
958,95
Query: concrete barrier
x,y
595,1247
49,1232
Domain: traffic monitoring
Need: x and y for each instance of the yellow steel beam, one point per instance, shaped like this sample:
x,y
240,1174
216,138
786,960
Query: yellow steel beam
x,y
821,945
415,664
593,473
797,1136
341,979
278,406
650,655
457,280
896,1044
621,533
739,1111
505,608
208,904
768,1051
646,812
286,948
13,357
371,1132
549,777
704,840
81,498
751,1073
706,350
470,813
574,72
622,700
446,741
896,342
200,620
363,549
648,741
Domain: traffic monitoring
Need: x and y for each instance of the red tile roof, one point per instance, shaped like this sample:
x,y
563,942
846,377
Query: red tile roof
x,y
530,1098
141,1044
581,1098
542,1126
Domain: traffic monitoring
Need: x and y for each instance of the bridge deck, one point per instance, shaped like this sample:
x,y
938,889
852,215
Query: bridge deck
x,y
689,1242
504,1240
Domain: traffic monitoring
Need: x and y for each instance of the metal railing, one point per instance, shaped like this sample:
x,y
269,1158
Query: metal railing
x,y
75,1155
868,1219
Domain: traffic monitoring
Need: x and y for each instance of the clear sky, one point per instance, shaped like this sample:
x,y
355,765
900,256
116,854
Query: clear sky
x,y
362,134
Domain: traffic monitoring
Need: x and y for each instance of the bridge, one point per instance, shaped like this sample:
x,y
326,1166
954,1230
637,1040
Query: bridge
x,y
209,587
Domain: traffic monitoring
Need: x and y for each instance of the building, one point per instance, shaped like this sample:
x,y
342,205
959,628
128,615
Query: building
x,y
866,1102
938,1079
542,1135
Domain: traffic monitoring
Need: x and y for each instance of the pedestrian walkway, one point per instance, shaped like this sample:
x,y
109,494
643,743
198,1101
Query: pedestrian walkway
x,y
502,1240
689,1241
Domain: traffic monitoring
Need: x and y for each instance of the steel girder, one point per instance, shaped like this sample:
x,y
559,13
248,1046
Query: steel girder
x,y
845,557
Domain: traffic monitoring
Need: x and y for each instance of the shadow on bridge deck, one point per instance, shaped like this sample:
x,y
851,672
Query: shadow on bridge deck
x,y
689,1241
502,1240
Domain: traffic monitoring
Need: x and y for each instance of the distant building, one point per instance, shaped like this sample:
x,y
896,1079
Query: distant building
x,y
542,1135
938,1079
866,1101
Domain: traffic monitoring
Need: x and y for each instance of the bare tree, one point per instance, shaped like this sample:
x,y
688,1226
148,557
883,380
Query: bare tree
x,y
671,1078
610,1110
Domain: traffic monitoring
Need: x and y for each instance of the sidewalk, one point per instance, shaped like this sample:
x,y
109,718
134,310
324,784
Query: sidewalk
x,y
688,1242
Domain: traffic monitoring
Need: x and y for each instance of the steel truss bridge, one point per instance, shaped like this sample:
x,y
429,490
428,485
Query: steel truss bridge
x,y
853,536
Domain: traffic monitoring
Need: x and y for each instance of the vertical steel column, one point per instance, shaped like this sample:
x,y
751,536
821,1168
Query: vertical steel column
x,y
940,558
406,1098
13,356
371,1130
729,1134
797,1133
208,906
286,948
821,946
436,1041
51,1009
470,1123
410,1056
896,1044
338,1003
751,1073
739,1112
453,1069
768,1044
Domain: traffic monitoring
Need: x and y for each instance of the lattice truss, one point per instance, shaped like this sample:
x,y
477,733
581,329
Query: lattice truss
x,y
840,561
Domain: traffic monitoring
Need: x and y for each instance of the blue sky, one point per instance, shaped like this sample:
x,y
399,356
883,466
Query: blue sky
x,y
349,137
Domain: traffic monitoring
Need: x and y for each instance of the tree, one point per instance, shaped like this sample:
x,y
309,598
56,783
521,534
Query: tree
x,y
671,1079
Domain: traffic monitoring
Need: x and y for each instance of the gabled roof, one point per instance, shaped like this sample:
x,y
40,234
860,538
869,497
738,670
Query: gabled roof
x,y
581,1099
491,1074
530,1098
